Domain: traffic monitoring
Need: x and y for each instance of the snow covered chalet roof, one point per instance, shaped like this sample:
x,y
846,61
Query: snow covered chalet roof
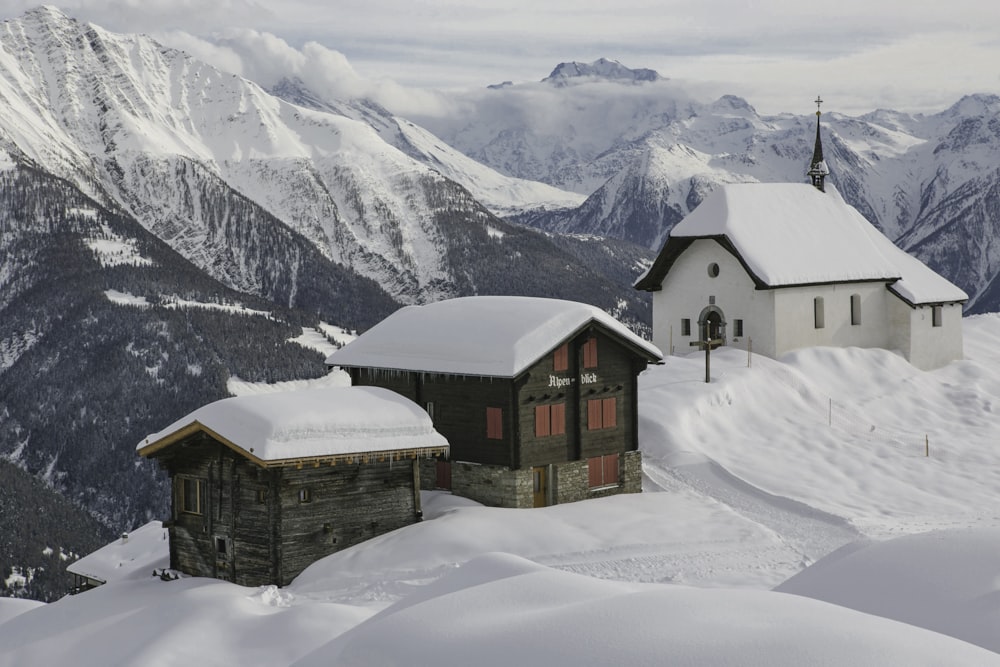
x,y
494,336
792,234
308,424
143,550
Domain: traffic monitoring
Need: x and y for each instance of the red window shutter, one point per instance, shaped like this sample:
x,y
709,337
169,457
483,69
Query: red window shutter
x,y
611,469
595,472
610,412
494,423
559,419
560,360
590,353
542,427
594,414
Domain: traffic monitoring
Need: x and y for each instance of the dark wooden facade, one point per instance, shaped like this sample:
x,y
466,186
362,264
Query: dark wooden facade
x,y
584,393
253,524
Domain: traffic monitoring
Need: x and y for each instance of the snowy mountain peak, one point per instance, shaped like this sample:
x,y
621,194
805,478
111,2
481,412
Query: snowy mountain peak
x,y
602,68
733,105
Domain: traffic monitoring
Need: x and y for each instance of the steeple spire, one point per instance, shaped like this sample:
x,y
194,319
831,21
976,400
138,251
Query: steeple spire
x,y
817,167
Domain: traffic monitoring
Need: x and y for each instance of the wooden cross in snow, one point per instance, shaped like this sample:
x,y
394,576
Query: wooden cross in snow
x,y
707,345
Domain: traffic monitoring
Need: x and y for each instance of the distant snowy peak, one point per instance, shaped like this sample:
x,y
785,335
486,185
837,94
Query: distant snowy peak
x,y
602,68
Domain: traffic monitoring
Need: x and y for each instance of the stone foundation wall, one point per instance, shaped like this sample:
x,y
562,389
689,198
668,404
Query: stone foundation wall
x,y
495,486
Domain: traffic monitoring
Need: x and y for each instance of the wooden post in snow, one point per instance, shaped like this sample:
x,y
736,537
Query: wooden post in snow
x,y
707,346
927,445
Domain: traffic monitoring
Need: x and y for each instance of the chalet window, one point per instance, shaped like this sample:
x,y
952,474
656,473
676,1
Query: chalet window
x,y
603,470
855,309
494,423
737,328
819,319
192,495
602,413
686,326
936,312
305,495
560,358
220,546
550,420
590,353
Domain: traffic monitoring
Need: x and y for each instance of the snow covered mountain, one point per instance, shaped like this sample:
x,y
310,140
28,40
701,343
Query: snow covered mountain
x,y
645,153
213,164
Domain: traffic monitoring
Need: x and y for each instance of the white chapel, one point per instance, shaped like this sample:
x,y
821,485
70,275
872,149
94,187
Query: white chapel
x,y
792,265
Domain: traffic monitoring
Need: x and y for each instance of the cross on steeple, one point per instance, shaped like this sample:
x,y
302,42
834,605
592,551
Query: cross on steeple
x,y
817,167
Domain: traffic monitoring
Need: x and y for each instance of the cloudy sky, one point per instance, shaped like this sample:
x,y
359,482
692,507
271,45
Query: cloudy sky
x,y
778,54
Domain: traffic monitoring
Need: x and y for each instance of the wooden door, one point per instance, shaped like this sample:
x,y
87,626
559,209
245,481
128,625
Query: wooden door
x,y
540,487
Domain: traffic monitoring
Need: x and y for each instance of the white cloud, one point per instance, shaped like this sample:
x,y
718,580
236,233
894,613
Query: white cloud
x,y
776,53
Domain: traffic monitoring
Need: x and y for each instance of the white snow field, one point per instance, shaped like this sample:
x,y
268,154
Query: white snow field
x,y
810,475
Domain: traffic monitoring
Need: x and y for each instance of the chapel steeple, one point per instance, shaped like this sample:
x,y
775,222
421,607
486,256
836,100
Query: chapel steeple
x,y
817,167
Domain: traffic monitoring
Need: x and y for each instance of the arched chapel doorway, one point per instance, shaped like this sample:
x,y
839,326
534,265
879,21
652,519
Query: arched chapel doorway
x,y
712,325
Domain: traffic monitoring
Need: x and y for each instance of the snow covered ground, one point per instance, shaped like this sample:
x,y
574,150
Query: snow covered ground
x,y
808,475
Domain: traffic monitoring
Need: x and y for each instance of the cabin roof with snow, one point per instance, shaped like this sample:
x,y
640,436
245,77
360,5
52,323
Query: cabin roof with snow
x,y
283,428
788,234
493,336
142,550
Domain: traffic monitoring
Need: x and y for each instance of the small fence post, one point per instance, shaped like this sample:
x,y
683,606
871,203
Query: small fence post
x,y
927,445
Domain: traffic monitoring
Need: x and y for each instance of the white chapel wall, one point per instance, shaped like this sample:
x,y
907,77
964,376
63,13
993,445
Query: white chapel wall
x,y
686,292
931,347
794,313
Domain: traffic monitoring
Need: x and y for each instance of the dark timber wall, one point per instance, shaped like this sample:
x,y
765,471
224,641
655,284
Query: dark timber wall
x,y
254,528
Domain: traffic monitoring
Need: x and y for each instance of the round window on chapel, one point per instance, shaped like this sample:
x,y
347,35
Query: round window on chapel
x,y
713,270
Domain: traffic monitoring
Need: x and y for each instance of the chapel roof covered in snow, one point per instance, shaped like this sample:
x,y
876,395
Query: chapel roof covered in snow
x,y
493,336
289,427
788,234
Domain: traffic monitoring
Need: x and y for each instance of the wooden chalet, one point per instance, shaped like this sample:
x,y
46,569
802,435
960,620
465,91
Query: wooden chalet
x,y
265,485
537,397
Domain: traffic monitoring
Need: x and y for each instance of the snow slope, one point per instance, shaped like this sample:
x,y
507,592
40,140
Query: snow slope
x,y
751,481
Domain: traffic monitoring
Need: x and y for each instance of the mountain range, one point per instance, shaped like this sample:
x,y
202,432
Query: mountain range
x,y
645,153
166,226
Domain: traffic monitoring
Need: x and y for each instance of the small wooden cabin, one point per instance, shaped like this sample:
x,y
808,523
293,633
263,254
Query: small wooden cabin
x,y
537,397
264,485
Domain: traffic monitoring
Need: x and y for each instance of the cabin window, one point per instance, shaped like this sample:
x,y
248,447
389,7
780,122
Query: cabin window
x,y
819,318
713,270
603,470
494,423
686,326
737,328
560,358
936,313
305,495
590,353
550,420
220,547
192,495
602,413
855,309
